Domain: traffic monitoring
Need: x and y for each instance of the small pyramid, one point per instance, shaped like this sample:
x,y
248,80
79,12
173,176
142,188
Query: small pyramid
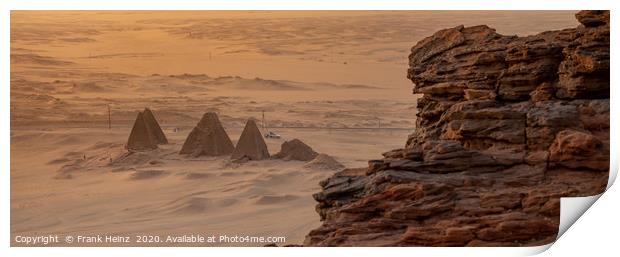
x,y
251,144
152,124
296,150
208,138
141,138
324,162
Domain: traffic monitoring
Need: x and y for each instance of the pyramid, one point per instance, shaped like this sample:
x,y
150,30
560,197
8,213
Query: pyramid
x,y
251,144
152,124
296,150
146,133
324,162
208,138
141,138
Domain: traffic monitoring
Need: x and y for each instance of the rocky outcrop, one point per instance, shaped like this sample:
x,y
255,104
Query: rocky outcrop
x,y
506,126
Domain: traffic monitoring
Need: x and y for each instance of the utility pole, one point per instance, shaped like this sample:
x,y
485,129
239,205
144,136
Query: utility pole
x,y
109,118
263,121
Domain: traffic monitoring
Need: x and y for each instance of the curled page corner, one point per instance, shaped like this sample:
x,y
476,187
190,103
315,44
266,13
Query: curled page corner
x,y
613,172
535,250
571,208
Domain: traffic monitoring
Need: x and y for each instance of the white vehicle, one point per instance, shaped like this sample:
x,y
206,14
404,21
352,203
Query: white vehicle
x,y
271,134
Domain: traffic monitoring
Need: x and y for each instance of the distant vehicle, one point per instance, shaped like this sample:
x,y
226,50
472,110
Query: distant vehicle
x,y
272,134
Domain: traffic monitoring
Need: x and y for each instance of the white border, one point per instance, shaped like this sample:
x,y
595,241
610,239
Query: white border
x,y
585,239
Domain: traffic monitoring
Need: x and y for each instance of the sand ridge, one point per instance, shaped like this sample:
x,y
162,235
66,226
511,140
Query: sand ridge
x,y
334,80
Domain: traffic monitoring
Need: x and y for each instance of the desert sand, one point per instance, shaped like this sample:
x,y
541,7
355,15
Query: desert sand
x,y
335,80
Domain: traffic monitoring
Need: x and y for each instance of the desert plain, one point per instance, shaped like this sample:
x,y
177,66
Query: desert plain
x,y
334,79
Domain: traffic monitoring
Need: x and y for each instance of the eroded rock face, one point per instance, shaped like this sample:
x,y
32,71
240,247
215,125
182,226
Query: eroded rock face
x,y
505,127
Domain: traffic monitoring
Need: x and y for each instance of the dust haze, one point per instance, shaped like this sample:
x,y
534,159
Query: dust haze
x,y
335,80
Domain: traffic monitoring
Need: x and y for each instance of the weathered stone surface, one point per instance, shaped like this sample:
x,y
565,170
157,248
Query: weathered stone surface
x,y
505,127
208,138
146,133
579,150
295,149
251,145
593,18
584,72
152,123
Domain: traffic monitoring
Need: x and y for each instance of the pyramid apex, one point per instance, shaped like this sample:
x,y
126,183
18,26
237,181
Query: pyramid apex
x,y
251,144
140,137
208,138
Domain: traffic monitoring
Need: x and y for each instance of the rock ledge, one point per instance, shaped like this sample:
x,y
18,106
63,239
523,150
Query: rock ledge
x,y
505,127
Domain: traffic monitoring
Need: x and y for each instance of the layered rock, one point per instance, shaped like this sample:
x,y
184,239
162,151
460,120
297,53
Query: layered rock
x,y
506,126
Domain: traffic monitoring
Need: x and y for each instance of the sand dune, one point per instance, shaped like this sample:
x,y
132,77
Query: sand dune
x,y
173,185
36,59
335,80
146,174
275,199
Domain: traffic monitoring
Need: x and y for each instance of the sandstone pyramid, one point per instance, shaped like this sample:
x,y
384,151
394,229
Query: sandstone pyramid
x,y
324,162
153,125
251,144
146,133
141,137
296,150
208,138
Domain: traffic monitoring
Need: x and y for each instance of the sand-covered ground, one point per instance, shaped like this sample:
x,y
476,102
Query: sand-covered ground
x,y
335,80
